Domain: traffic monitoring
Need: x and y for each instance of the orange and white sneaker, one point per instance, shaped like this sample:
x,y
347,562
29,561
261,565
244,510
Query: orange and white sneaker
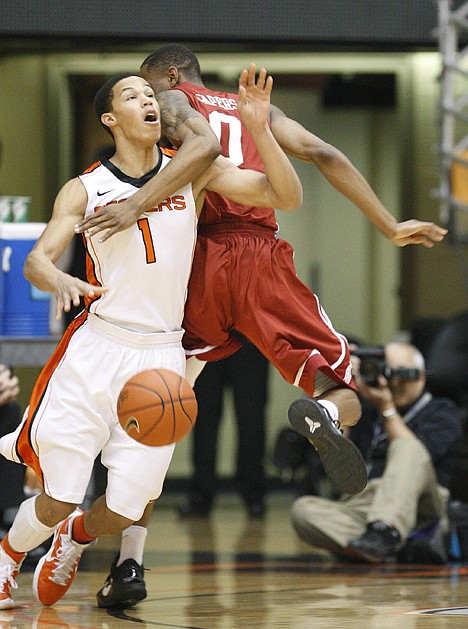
x,y
56,570
9,569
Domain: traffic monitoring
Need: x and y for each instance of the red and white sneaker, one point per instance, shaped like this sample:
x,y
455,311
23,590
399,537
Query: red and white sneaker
x,y
56,570
9,569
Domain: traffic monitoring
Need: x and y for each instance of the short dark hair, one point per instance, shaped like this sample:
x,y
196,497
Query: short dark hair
x,y
104,96
174,55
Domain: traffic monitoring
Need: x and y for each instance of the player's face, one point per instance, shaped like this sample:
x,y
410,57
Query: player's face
x,y
159,81
136,109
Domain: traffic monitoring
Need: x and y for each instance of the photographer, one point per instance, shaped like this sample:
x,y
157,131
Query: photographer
x,y
408,439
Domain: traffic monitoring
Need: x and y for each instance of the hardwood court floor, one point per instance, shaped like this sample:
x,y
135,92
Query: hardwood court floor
x,y
227,572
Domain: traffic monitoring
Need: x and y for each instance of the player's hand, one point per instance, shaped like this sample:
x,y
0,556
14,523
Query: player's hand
x,y
415,232
110,219
254,97
69,289
9,386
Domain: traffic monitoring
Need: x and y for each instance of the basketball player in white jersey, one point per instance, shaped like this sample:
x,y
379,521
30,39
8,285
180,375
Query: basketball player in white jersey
x,y
134,297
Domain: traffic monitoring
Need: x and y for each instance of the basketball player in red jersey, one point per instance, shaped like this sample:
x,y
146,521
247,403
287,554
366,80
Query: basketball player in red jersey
x,y
266,302
243,276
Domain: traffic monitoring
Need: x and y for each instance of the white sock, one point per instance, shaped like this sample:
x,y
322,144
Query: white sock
x,y
331,407
132,545
27,532
193,368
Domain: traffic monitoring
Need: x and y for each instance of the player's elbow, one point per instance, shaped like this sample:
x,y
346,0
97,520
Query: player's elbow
x,y
325,155
28,267
291,201
211,148
204,148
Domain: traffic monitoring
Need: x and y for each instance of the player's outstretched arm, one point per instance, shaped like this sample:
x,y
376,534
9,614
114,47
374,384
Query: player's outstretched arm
x,y
199,146
40,267
346,178
414,232
280,186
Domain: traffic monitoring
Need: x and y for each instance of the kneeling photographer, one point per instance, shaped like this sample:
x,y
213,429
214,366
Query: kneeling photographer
x,y
409,439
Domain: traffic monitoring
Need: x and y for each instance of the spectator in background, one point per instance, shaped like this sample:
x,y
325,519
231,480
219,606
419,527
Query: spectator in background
x,y
11,474
17,482
409,439
246,373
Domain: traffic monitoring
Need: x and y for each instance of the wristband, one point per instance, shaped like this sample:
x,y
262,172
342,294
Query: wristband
x,y
389,412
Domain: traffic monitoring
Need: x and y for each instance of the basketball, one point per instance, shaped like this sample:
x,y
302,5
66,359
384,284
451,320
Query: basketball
x,y
157,407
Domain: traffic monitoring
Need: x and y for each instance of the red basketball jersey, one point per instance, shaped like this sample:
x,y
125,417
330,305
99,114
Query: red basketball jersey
x,y
220,109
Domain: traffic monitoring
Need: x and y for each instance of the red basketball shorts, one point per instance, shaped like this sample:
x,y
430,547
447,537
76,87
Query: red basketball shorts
x,y
243,278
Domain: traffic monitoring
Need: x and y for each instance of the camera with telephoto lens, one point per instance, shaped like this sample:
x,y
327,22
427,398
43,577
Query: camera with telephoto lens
x,y
373,365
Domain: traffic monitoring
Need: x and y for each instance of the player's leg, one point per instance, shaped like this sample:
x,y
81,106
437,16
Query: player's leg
x,y
125,585
28,531
286,322
318,420
130,497
64,464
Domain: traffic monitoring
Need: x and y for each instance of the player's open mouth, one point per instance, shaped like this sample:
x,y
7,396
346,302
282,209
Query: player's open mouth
x,y
151,117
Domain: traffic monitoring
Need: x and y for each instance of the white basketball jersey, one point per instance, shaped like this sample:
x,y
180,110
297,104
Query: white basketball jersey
x,y
147,266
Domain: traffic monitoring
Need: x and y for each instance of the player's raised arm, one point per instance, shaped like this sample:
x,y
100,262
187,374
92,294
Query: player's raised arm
x,y
346,179
198,148
280,186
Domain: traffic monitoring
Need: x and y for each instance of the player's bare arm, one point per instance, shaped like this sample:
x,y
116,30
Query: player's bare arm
x,y
40,268
280,186
180,122
198,148
344,177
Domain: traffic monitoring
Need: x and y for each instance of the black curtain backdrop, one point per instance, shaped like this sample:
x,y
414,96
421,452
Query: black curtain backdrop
x,y
268,23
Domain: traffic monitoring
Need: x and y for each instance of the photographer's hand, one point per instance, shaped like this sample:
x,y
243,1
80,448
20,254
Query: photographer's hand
x,y
379,395
382,397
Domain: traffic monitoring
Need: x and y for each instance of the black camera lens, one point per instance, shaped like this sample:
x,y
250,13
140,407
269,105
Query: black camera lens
x,y
370,371
372,363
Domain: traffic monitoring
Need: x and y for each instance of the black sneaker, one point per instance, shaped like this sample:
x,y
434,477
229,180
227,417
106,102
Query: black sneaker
x,y
424,546
379,544
341,459
124,587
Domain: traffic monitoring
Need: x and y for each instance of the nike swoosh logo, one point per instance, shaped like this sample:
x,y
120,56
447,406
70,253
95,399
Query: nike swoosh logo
x,y
132,422
101,194
106,589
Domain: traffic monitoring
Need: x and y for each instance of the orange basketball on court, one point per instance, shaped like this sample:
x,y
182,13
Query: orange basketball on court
x,y
157,407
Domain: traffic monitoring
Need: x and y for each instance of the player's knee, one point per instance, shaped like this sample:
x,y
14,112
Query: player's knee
x,y
50,511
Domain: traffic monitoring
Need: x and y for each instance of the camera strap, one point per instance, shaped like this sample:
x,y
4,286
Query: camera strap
x,y
419,405
380,434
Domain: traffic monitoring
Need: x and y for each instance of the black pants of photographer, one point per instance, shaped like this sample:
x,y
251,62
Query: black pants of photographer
x,y
11,474
246,372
